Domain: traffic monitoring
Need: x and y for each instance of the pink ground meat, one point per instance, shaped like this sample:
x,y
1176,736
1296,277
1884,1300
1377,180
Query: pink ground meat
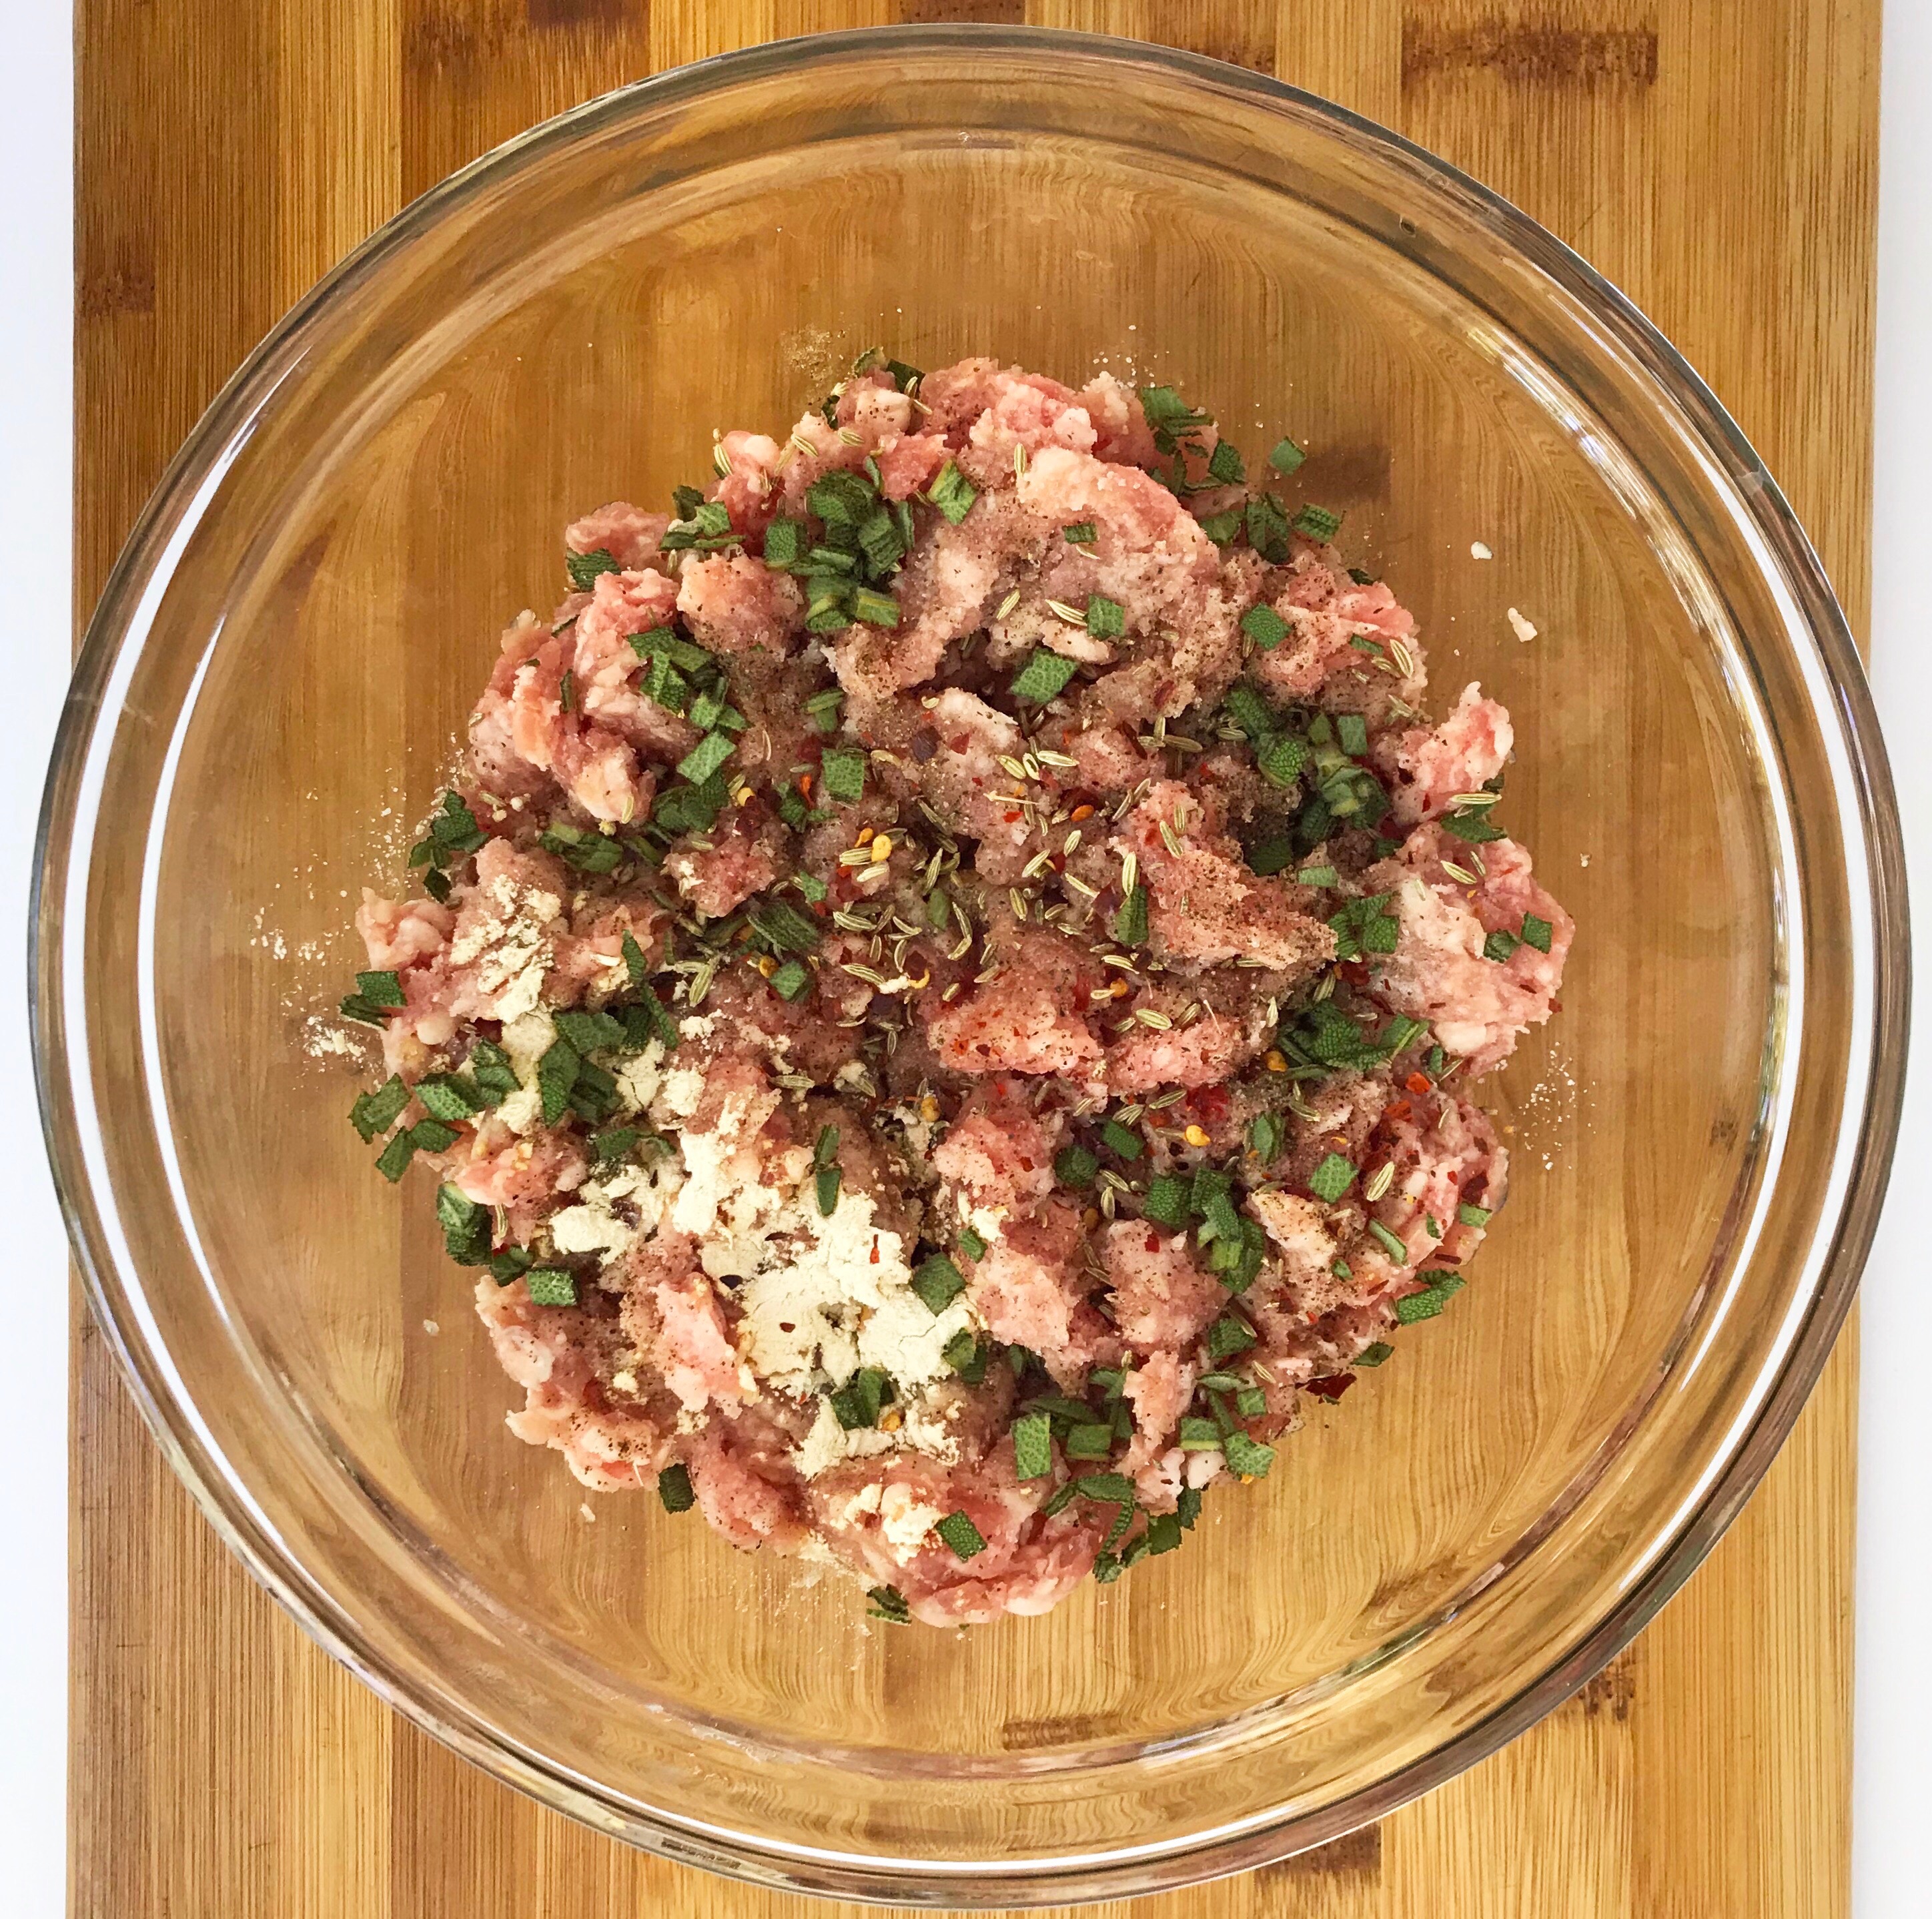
x,y
927,955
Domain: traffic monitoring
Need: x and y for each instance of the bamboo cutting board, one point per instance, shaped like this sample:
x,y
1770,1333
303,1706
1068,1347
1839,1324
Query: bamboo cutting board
x,y
1717,158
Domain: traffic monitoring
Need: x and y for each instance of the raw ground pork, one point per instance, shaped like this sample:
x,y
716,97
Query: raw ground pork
x,y
947,984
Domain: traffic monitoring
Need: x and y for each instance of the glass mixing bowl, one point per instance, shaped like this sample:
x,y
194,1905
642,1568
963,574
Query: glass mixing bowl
x,y
273,687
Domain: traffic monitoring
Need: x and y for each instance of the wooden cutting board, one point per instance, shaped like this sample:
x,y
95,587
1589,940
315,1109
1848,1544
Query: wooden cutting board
x,y
1717,159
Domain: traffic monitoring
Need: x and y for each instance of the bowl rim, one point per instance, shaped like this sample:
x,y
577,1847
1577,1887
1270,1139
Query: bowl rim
x,y
1879,950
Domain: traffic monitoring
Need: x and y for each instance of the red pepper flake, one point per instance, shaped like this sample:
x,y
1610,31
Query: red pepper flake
x,y
1010,817
1154,1242
875,1252
1332,1388
959,743
1418,1082
1398,1110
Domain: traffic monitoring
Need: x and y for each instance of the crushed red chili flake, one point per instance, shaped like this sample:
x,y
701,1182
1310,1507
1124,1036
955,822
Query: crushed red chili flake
x,y
1419,1083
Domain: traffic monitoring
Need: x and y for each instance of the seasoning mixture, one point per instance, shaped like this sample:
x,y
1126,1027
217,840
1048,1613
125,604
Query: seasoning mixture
x,y
947,985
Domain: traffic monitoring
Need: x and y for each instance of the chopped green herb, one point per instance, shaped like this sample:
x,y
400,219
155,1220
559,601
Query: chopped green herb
x,y
449,1096
1268,528
1033,1446
826,1190
1247,1457
1043,678
380,988
1081,533
1221,528
1536,933
1187,1507
1500,945
556,1074
952,492
512,1263
617,1143
785,928
1227,1336
1265,626
1389,1242
1332,1177
1318,876
857,1403
1267,1133
647,1020
1286,457
634,964
375,1112
1075,1166
1089,1441
875,609
842,773
1476,1216
971,1243
355,1007
1106,619
1420,1306
1166,1200
1317,523
1225,464
1269,856
962,1535
1249,711
589,1032
1472,824
708,710
666,685
674,1488
840,499
1352,733
967,1355
889,1603
1122,1139
706,757
822,709
785,542
1251,1402
1282,759
1130,920
790,981
466,1226
588,852
1373,1356
1200,1436
551,1286
584,568
938,1282
879,541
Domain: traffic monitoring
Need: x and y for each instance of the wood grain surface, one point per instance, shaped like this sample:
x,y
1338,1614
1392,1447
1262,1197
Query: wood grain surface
x,y
1716,157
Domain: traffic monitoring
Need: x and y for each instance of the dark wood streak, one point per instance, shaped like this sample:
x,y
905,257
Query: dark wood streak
x,y
1528,55
1030,1735
1357,1855
124,283
561,15
972,13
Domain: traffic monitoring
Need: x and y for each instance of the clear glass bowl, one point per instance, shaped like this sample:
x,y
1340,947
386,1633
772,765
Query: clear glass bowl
x,y
280,667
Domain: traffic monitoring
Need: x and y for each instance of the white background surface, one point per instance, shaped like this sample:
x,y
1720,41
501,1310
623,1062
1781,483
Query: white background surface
x,y
1893,1833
